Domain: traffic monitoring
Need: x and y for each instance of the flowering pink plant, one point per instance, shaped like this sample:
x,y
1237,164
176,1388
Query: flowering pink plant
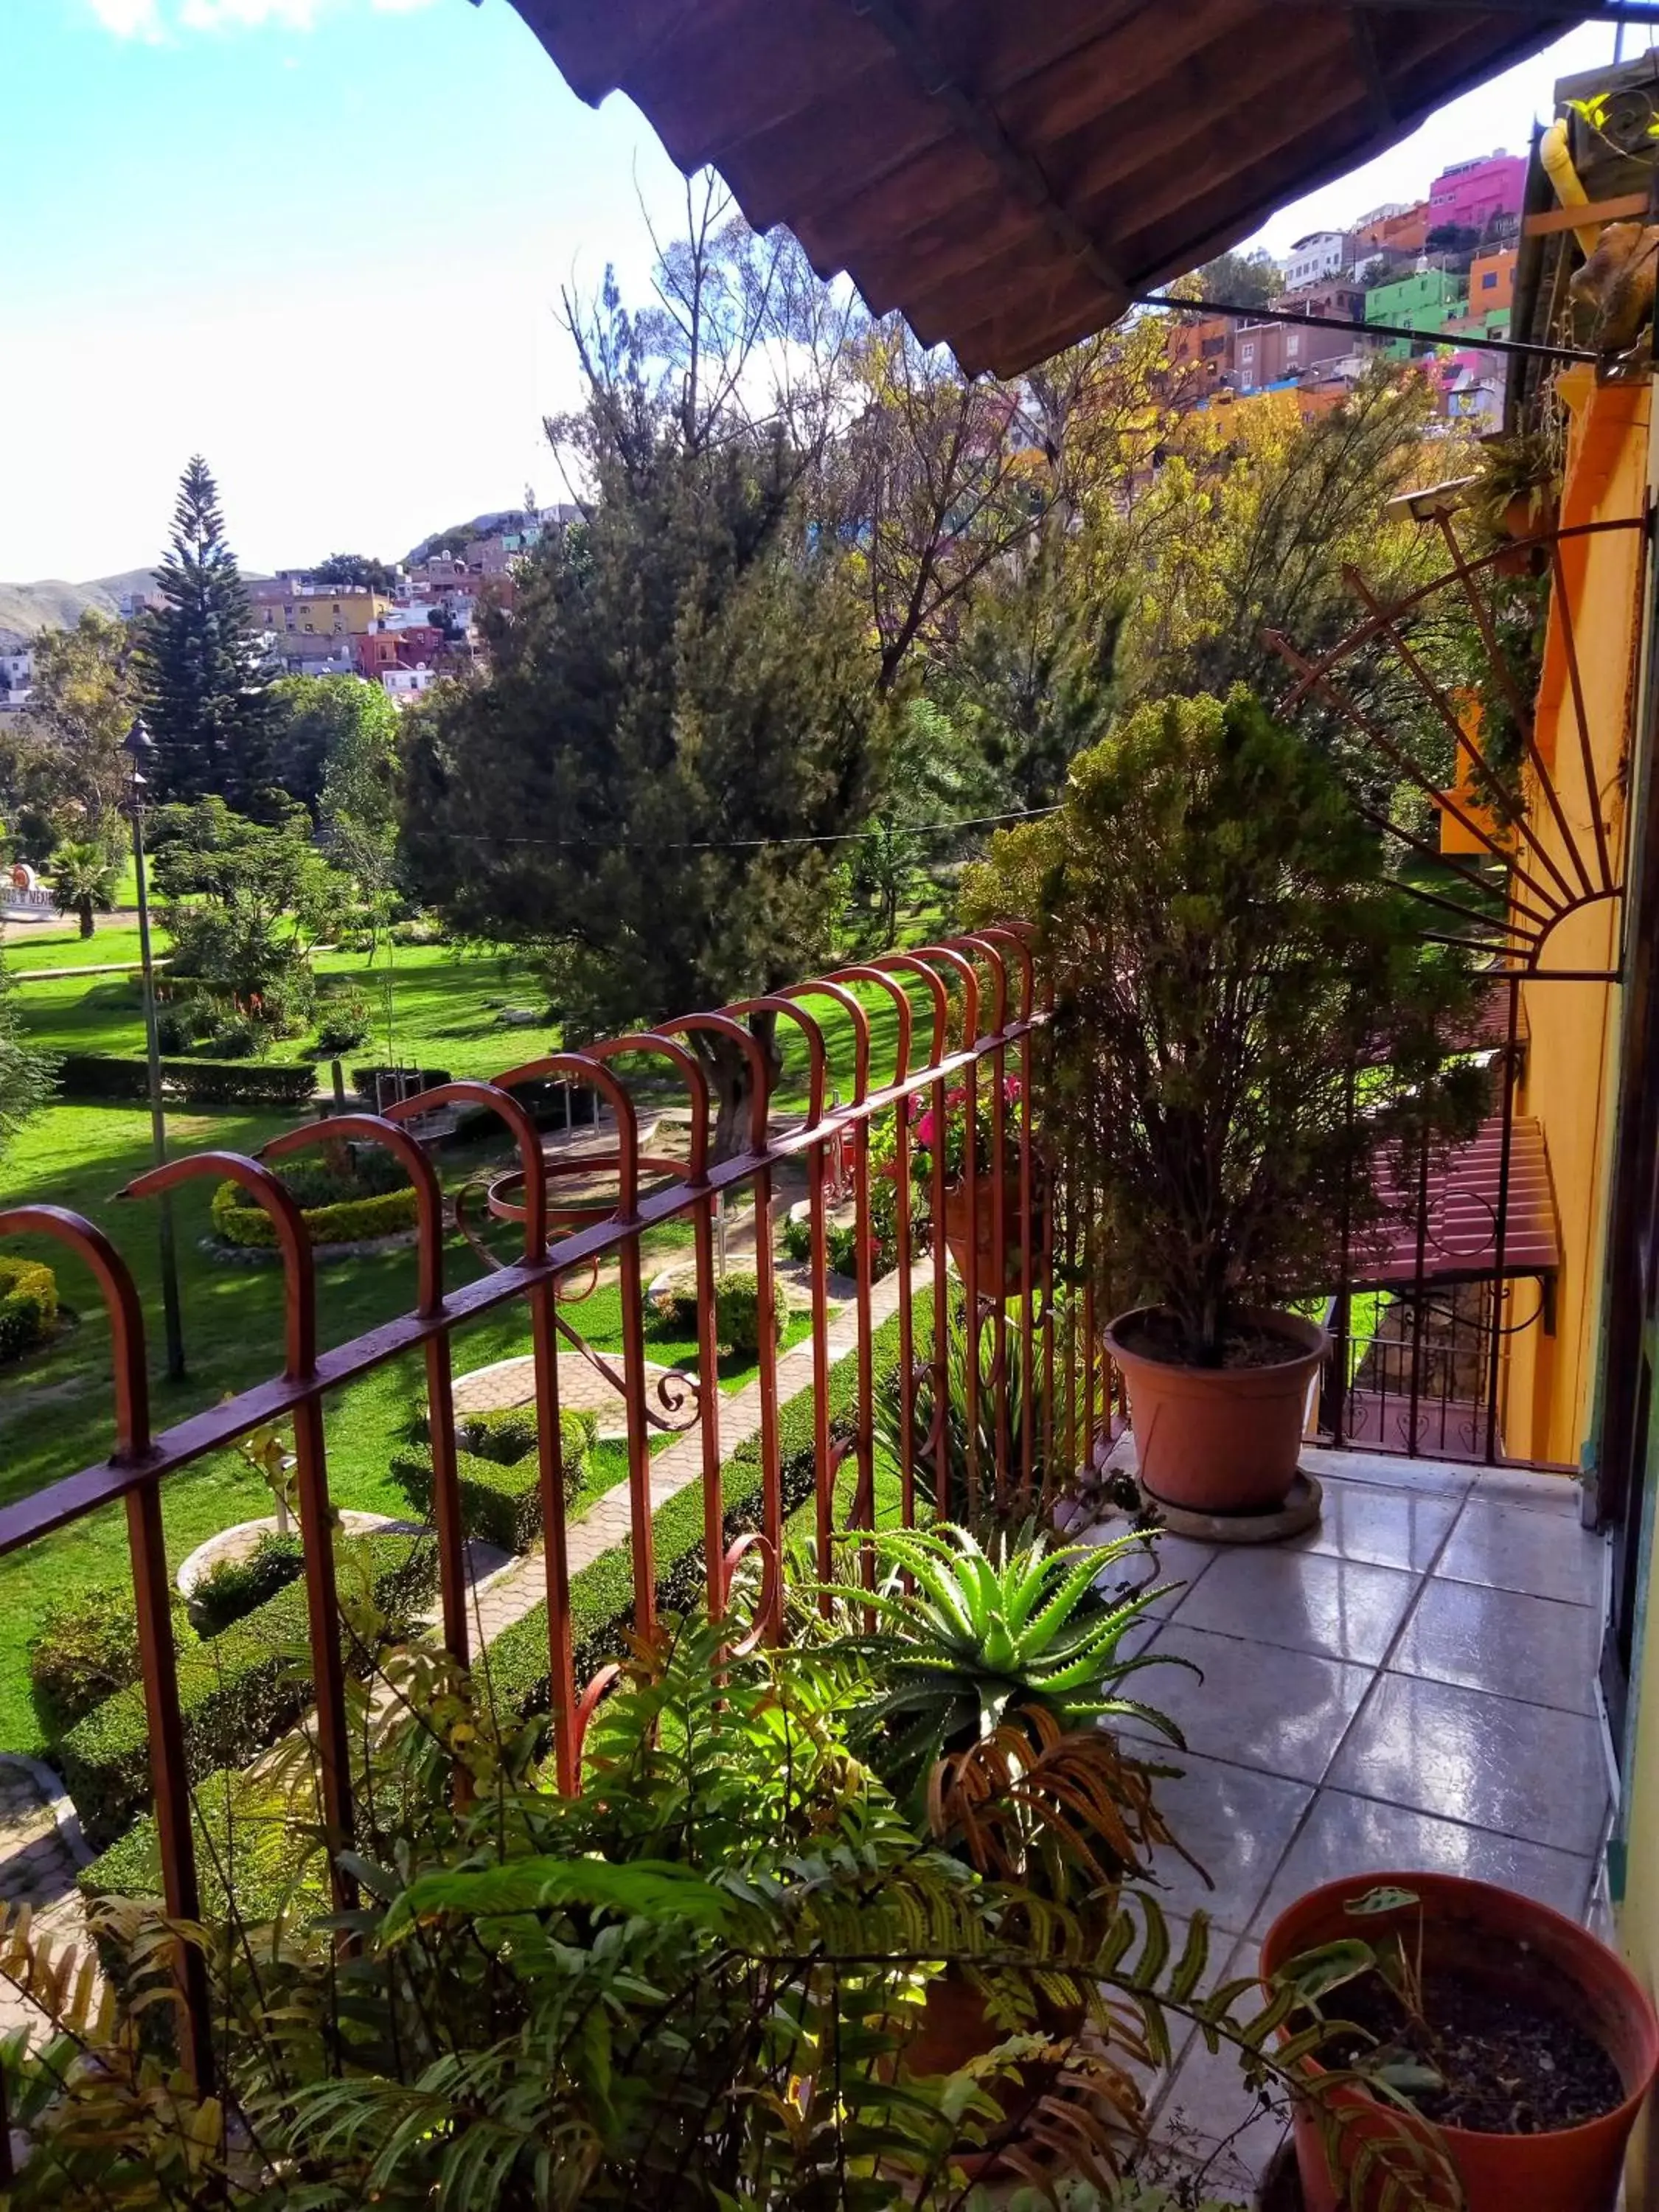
x,y
925,1133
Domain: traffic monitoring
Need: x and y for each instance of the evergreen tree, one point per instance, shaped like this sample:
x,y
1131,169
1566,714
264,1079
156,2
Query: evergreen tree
x,y
25,1074
678,725
205,694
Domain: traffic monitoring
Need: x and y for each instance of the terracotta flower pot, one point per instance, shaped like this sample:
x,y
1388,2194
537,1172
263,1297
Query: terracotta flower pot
x,y
1219,1439
955,2028
973,1229
1472,1925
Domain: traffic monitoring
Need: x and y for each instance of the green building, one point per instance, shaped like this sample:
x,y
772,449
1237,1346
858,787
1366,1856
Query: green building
x,y
1425,301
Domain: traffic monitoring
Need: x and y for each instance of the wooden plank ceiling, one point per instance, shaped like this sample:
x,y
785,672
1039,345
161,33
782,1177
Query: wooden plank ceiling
x,y
1007,172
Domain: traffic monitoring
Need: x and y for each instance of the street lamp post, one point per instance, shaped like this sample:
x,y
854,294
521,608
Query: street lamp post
x,y
140,748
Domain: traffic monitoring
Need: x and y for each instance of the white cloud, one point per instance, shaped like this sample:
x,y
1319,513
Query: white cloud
x,y
129,18
152,20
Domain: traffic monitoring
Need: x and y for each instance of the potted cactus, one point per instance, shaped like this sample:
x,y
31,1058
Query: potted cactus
x,y
1249,1030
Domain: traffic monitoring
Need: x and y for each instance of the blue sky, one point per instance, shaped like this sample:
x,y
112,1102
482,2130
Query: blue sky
x,y
322,241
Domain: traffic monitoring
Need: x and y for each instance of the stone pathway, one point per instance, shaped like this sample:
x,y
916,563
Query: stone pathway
x,y
610,1520
39,1859
582,1388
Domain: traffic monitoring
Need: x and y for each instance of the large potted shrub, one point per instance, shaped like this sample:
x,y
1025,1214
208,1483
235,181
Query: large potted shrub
x,y
1248,1025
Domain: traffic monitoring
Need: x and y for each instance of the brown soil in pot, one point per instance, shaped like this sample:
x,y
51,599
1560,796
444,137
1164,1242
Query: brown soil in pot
x,y
1511,2065
1159,1336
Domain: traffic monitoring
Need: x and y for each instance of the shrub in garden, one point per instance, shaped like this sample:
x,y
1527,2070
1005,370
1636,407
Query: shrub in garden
x,y
344,1023
239,1690
500,1472
233,1587
190,1082
737,1312
85,1650
373,1197
28,1305
235,1038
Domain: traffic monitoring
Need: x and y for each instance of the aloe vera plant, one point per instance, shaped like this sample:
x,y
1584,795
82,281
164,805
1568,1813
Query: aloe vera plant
x,y
965,1639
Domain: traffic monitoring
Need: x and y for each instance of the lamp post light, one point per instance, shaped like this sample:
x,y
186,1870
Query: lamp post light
x,y
140,749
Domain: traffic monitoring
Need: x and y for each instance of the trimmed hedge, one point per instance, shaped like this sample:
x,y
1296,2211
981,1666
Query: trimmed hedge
x,y
499,1473
238,1693
188,1082
232,1588
28,1305
602,1594
244,1829
239,1219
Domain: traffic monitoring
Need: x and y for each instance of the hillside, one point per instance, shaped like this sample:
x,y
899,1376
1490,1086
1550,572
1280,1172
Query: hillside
x,y
26,609
51,605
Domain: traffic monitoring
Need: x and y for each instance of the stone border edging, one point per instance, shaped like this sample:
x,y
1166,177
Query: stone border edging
x,y
59,1803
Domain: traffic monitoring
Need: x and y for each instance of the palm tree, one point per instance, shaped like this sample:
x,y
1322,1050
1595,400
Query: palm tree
x,y
84,876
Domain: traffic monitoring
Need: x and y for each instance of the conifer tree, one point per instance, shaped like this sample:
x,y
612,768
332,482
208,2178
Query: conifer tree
x,y
25,1073
206,698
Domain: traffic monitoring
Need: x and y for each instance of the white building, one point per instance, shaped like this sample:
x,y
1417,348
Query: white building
x,y
1322,253
404,685
16,674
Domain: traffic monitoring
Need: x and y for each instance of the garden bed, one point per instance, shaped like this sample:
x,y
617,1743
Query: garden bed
x,y
362,1205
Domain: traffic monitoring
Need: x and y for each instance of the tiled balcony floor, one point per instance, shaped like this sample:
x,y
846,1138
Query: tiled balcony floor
x,y
1408,1686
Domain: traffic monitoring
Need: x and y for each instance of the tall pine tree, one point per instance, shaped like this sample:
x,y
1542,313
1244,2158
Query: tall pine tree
x,y
206,694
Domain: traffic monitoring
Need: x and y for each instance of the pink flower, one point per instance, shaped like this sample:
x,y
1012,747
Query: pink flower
x,y
925,1130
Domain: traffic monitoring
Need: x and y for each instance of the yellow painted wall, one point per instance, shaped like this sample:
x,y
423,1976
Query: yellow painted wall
x,y
1549,1383
323,614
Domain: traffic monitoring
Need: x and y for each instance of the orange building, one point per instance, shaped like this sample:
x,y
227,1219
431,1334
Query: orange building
x,y
1200,350
1492,283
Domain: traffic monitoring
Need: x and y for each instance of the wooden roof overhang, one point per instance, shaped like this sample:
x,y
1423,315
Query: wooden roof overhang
x,y
1010,173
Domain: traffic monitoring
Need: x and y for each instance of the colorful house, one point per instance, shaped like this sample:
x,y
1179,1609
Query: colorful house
x,y
1470,193
1425,301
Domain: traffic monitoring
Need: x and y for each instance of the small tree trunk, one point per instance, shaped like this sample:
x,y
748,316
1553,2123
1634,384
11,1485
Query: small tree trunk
x,y
83,908
731,1081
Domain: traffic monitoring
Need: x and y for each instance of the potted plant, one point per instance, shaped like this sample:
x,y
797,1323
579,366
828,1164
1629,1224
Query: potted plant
x,y
1473,2022
1516,493
990,1675
1248,1031
970,1214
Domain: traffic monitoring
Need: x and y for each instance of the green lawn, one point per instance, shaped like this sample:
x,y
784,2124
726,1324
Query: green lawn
x,y
55,1408
445,999
66,948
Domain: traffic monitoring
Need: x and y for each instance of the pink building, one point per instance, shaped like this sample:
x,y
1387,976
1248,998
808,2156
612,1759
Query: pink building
x,y
1471,193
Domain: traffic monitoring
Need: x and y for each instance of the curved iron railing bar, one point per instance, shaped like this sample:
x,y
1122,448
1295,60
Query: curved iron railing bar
x,y
1370,728
375,1129
1363,633
524,1133
96,1252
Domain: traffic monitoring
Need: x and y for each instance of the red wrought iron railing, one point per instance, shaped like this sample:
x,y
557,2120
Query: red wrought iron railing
x,y
965,1018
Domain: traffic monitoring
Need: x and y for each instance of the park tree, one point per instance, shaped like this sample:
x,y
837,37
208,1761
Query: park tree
x,y
25,1072
206,694
315,719
934,480
83,873
1233,280
65,760
1253,523
246,902
355,572
358,806
680,713
1032,681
